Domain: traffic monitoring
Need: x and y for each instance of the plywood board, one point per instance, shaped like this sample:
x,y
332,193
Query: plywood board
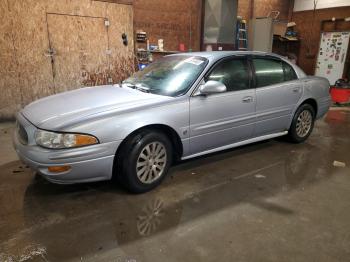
x,y
80,48
26,70
10,95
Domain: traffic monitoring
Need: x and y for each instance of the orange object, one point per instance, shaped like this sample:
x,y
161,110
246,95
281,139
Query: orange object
x,y
58,169
85,140
340,95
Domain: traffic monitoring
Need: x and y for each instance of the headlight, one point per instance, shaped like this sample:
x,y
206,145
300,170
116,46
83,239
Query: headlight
x,y
63,140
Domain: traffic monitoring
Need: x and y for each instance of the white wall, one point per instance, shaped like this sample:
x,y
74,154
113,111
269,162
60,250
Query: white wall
x,y
301,5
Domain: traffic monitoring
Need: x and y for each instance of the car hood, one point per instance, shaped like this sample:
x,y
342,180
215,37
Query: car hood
x,y
69,108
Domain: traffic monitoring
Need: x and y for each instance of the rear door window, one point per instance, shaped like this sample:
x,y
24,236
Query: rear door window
x,y
268,71
289,73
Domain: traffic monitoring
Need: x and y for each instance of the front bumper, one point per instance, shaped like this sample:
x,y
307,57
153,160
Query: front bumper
x,y
90,163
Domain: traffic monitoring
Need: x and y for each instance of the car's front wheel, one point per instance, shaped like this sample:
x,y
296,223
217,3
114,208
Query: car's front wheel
x,y
302,124
145,160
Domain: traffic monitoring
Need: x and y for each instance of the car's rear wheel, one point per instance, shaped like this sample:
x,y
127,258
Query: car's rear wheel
x,y
145,160
302,124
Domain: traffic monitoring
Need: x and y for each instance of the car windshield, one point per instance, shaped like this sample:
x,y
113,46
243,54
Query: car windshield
x,y
169,76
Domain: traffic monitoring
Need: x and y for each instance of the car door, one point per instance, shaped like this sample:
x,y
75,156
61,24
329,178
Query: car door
x,y
278,90
221,119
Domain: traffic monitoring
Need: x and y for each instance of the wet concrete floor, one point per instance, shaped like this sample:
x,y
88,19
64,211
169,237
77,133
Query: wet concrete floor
x,y
270,201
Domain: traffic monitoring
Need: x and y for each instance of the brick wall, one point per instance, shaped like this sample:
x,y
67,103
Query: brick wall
x,y
172,21
313,34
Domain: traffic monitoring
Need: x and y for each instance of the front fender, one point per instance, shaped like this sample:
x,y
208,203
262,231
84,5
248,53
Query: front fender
x,y
117,127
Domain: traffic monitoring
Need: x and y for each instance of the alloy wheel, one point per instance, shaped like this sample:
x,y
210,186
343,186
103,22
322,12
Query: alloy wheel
x,y
304,123
151,162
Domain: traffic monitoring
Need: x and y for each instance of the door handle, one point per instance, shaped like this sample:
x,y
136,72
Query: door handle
x,y
247,99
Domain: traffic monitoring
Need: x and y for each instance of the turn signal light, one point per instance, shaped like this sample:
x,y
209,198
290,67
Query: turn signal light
x,y
58,169
82,140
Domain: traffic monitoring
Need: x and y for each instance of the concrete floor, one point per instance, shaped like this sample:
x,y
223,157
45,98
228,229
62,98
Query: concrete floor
x,y
271,201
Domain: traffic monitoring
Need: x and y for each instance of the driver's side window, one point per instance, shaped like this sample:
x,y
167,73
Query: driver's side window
x,y
234,73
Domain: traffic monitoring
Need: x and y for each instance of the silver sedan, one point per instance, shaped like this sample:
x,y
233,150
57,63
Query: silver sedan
x,y
179,107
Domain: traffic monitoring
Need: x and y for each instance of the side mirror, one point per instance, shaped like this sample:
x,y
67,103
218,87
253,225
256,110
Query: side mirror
x,y
211,87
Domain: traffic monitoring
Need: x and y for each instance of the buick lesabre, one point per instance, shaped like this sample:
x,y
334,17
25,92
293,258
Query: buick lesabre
x,y
179,107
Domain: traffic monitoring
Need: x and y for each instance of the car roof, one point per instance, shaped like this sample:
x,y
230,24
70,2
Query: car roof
x,y
216,55
220,54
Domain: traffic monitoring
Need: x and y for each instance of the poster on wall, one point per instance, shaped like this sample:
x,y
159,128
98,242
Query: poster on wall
x,y
332,55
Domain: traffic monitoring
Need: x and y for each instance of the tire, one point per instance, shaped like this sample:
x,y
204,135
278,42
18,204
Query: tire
x,y
139,170
302,124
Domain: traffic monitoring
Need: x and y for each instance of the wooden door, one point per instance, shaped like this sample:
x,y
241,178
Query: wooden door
x,y
79,47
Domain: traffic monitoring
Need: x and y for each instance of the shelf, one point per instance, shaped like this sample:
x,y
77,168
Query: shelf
x,y
285,38
164,52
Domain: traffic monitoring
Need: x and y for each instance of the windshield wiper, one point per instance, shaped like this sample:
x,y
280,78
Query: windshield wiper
x,y
138,86
142,88
130,85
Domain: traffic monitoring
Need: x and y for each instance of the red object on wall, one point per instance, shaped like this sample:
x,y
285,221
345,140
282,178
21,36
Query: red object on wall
x,y
340,95
182,47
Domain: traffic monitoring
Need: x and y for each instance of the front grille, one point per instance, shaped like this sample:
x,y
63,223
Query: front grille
x,y
22,134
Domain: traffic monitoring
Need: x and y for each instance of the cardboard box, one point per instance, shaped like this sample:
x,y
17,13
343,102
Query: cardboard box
x,y
279,28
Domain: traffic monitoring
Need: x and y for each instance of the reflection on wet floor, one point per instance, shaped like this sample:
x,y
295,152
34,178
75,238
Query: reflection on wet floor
x,y
56,223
